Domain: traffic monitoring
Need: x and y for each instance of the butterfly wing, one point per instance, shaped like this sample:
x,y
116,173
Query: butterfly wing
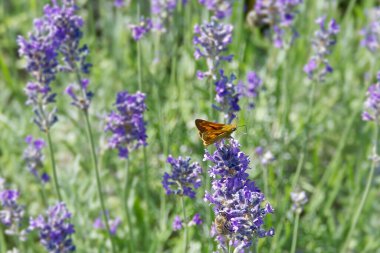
x,y
210,132
204,125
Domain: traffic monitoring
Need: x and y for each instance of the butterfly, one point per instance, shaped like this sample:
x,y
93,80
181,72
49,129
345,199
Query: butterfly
x,y
211,132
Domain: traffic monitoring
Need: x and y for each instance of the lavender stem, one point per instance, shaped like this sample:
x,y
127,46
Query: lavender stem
x,y
52,159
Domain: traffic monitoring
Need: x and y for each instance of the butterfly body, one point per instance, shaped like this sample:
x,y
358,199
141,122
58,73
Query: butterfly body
x,y
211,132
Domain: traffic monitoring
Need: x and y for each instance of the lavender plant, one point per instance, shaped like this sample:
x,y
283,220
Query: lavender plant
x,y
372,104
11,213
371,32
324,40
250,88
279,15
55,229
227,96
33,158
237,202
141,29
127,123
183,181
162,10
113,223
299,199
211,41
220,8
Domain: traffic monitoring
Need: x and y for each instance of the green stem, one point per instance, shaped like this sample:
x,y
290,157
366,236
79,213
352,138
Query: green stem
x,y
131,244
52,159
139,65
295,233
98,181
265,175
366,190
3,244
186,239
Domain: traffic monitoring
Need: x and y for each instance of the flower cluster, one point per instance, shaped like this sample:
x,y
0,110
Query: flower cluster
x,y
211,41
34,158
127,124
372,103
161,11
279,15
113,224
11,213
227,96
142,28
299,199
237,201
371,33
185,177
323,42
178,223
265,157
250,89
119,3
55,229
220,8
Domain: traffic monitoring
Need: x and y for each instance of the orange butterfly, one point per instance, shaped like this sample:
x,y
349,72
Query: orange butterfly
x,y
211,132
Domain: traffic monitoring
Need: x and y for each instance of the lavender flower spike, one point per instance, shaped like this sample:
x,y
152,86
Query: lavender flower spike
x,y
371,33
127,123
372,103
142,28
177,223
238,204
113,224
227,96
34,158
55,229
220,8
250,89
11,213
185,177
280,16
324,40
211,41
162,10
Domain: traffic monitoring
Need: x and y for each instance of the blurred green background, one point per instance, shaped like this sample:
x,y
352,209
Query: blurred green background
x,y
336,159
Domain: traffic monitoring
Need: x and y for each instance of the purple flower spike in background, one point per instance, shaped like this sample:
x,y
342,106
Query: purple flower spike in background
x,y
280,16
371,33
113,224
162,11
220,8
323,42
250,89
238,204
34,158
55,229
372,103
142,28
211,41
11,213
177,223
127,123
227,96
196,220
185,177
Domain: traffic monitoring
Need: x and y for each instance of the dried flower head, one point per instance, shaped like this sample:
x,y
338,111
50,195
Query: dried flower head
x,y
299,199
324,40
211,41
55,229
127,123
184,179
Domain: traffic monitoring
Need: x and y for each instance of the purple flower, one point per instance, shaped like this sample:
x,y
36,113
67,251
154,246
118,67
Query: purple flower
x,y
177,223
211,41
280,16
127,123
119,3
55,229
11,213
34,158
162,11
266,157
250,89
82,101
236,199
196,220
142,28
372,103
324,39
227,96
220,8
371,32
185,177
113,224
